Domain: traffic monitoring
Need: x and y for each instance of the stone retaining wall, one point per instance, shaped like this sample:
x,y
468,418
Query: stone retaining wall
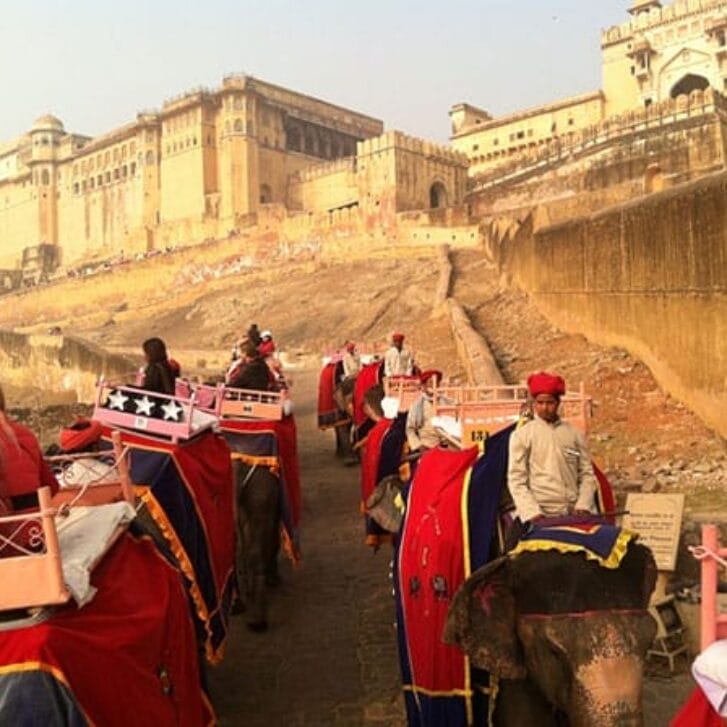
x,y
56,365
472,349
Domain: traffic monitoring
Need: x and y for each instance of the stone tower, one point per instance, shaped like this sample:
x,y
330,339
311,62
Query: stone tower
x,y
45,137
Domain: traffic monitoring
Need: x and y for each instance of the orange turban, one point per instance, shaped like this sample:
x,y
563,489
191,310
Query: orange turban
x,y
545,383
80,435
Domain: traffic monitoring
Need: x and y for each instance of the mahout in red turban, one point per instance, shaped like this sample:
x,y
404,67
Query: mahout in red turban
x,y
397,336
545,383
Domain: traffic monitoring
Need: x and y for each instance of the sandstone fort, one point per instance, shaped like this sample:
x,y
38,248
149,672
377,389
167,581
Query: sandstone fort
x,y
625,184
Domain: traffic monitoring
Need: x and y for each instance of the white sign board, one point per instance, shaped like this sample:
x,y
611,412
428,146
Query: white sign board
x,y
657,519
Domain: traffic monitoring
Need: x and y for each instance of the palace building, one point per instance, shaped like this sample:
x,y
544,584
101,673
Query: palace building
x,y
203,165
664,51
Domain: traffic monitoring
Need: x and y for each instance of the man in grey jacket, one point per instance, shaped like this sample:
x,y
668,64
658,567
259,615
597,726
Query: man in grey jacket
x,y
550,473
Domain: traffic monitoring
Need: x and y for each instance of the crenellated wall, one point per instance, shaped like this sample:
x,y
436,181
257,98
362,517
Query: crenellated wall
x,y
650,276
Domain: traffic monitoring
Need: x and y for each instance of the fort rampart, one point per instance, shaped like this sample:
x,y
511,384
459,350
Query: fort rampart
x,y
650,276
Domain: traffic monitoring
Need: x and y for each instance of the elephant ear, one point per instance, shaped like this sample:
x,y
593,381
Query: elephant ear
x,y
481,622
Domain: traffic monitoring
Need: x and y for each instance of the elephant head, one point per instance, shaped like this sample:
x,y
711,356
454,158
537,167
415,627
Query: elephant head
x,y
577,631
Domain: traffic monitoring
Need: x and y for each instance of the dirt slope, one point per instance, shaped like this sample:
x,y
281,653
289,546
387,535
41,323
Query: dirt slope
x,y
642,437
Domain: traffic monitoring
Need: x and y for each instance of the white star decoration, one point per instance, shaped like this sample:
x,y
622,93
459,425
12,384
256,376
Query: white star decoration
x,y
117,400
171,410
144,405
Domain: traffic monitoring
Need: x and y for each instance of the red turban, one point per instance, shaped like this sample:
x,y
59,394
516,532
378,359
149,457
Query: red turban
x,y
351,346
397,336
426,375
80,435
545,383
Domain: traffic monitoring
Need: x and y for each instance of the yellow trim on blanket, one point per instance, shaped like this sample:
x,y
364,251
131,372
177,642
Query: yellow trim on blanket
x,y
289,547
170,535
272,463
613,561
54,671
464,517
451,693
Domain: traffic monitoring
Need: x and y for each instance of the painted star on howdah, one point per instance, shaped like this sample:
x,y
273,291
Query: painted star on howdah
x,y
117,400
172,411
144,405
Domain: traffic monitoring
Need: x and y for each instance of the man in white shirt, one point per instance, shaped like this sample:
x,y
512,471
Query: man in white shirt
x,y
351,360
420,433
550,473
398,361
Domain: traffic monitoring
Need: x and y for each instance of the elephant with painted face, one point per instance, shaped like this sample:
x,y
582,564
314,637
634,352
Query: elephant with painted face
x,y
566,637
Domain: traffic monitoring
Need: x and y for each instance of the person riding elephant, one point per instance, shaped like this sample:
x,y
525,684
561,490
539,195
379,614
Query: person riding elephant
x,y
23,471
158,374
351,361
550,471
398,360
252,372
563,634
420,433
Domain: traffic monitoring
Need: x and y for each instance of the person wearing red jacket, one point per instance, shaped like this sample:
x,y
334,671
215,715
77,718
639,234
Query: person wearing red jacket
x,y
22,467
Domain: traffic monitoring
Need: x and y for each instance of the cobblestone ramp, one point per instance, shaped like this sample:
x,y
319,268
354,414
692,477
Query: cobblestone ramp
x,y
329,657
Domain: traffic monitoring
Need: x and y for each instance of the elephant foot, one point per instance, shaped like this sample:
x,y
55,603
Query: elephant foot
x,y
258,627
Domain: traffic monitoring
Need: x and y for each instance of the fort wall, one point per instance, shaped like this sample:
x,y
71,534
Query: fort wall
x,y
650,276
68,367
633,155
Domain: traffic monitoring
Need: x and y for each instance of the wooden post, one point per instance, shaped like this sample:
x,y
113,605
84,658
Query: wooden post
x,y
53,549
709,587
122,467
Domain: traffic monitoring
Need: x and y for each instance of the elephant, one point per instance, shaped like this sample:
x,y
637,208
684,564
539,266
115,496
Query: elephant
x,y
565,637
258,509
343,396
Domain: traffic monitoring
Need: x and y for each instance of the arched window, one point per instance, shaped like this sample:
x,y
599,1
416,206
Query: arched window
x,y
266,194
132,168
149,158
45,178
687,84
437,196
238,125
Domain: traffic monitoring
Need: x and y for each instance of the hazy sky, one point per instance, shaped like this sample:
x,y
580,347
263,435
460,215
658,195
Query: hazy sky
x,y
94,64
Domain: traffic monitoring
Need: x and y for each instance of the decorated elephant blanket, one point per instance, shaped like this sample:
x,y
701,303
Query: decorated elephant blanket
x,y
128,657
602,542
329,415
381,457
368,376
448,531
188,490
272,444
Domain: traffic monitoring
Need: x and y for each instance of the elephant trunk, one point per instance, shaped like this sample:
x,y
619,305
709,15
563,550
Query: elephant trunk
x,y
607,692
591,665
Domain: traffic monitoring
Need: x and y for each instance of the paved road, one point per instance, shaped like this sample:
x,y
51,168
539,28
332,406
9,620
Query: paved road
x,y
330,655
